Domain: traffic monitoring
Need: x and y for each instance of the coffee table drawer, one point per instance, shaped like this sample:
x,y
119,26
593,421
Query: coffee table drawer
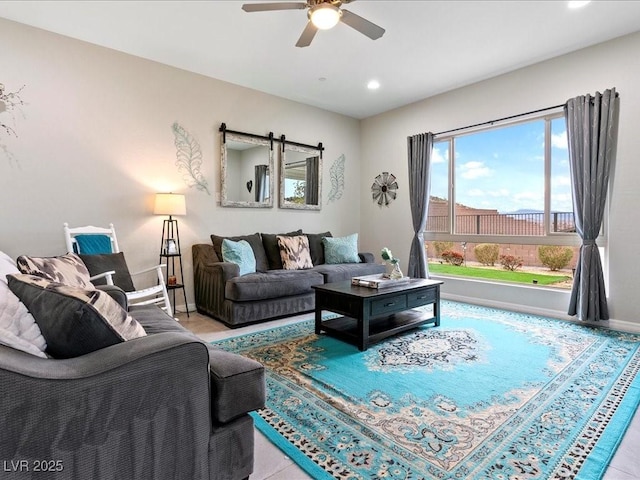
x,y
389,305
421,297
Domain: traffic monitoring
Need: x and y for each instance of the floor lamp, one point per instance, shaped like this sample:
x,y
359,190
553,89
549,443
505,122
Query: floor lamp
x,y
171,204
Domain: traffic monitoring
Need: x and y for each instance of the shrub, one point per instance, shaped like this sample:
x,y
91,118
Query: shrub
x,y
554,256
442,247
487,253
454,258
510,262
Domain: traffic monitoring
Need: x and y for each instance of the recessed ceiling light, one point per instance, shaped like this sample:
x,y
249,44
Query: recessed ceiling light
x,y
578,3
373,85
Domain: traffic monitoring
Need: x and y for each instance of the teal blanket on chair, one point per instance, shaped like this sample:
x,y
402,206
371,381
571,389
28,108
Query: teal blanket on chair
x,y
93,244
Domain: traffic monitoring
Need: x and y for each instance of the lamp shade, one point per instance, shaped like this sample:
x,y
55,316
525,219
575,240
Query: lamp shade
x,y
170,204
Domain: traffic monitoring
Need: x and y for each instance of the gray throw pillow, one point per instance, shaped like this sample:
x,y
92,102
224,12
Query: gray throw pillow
x,y
272,249
316,247
256,245
97,264
74,321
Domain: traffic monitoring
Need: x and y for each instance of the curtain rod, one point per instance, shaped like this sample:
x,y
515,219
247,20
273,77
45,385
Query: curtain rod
x,y
500,119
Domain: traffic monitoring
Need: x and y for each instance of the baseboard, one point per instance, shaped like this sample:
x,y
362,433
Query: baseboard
x,y
612,324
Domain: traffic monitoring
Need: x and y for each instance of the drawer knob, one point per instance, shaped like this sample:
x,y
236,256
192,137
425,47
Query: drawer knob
x,y
389,304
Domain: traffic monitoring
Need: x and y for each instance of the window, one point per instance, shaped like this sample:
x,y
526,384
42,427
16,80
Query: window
x,y
507,185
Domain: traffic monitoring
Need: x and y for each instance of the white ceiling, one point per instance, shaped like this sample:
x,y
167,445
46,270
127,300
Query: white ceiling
x,y
429,46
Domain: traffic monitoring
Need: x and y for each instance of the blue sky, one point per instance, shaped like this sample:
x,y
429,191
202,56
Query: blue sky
x,y
503,168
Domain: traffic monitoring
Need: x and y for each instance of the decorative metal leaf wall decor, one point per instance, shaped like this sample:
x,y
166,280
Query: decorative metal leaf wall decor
x,y
189,158
336,175
383,190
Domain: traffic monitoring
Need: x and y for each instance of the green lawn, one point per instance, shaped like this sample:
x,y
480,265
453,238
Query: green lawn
x,y
495,274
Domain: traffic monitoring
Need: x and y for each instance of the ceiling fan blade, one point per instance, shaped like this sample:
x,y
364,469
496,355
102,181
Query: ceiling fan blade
x,y
362,25
307,35
266,7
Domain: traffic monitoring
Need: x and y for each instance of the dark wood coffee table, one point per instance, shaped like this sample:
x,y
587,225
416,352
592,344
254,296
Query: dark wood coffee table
x,y
373,314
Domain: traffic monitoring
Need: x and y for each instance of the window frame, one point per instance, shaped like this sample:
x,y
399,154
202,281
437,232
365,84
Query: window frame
x,y
549,237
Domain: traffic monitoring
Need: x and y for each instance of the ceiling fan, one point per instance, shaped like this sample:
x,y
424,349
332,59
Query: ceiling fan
x,y
323,15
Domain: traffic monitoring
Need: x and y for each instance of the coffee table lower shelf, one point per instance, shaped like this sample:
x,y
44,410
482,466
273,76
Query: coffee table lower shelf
x,y
347,329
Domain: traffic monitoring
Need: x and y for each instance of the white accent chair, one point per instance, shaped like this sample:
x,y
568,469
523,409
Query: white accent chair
x,y
156,294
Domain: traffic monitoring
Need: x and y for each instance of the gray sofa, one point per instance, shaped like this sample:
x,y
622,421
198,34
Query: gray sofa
x,y
271,292
163,406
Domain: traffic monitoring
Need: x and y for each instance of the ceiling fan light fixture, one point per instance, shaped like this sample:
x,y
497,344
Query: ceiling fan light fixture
x,y
325,16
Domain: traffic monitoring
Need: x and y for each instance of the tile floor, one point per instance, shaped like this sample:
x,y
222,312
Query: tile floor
x,y
271,464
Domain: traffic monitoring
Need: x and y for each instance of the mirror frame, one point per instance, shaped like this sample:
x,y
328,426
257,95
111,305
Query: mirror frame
x,y
301,148
251,139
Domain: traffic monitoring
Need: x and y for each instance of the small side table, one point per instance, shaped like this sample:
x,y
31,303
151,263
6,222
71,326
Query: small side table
x,y
177,274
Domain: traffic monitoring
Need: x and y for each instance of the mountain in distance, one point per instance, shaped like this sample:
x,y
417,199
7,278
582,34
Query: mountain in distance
x,y
522,211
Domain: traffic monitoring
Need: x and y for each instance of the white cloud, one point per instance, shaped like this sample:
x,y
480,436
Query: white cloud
x,y
475,192
561,181
437,156
559,140
472,170
503,192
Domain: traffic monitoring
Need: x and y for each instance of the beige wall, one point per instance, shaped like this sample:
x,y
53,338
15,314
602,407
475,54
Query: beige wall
x,y
95,143
611,64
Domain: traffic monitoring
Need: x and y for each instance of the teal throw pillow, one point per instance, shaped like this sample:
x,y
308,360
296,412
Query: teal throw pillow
x,y
341,249
239,253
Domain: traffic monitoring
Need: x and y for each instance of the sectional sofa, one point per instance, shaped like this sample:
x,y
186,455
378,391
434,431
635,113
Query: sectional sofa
x,y
272,291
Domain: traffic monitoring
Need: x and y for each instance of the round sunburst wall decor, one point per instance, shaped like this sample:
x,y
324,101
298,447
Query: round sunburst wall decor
x,y
383,190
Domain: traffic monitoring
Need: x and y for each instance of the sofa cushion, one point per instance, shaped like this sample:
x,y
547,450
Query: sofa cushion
x,y
270,243
294,252
155,320
107,262
239,253
316,247
18,328
341,249
74,321
274,284
344,271
68,269
254,240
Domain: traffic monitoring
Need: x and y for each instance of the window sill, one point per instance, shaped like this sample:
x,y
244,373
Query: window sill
x,y
533,299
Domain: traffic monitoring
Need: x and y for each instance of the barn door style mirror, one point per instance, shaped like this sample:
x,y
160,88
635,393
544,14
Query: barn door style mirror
x,y
300,175
246,169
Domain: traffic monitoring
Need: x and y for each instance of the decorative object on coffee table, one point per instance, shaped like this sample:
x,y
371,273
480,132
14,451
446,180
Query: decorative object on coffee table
x,y
388,257
383,189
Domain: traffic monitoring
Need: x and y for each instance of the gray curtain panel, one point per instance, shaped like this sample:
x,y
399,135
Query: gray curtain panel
x,y
592,130
311,188
419,148
261,172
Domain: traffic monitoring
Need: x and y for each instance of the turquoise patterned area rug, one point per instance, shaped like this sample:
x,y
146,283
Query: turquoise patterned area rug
x,y
489,394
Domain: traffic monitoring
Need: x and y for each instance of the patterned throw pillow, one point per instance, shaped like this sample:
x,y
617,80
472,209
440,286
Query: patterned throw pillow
x,y
294,252
66,269
239,253
341,249
74,321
